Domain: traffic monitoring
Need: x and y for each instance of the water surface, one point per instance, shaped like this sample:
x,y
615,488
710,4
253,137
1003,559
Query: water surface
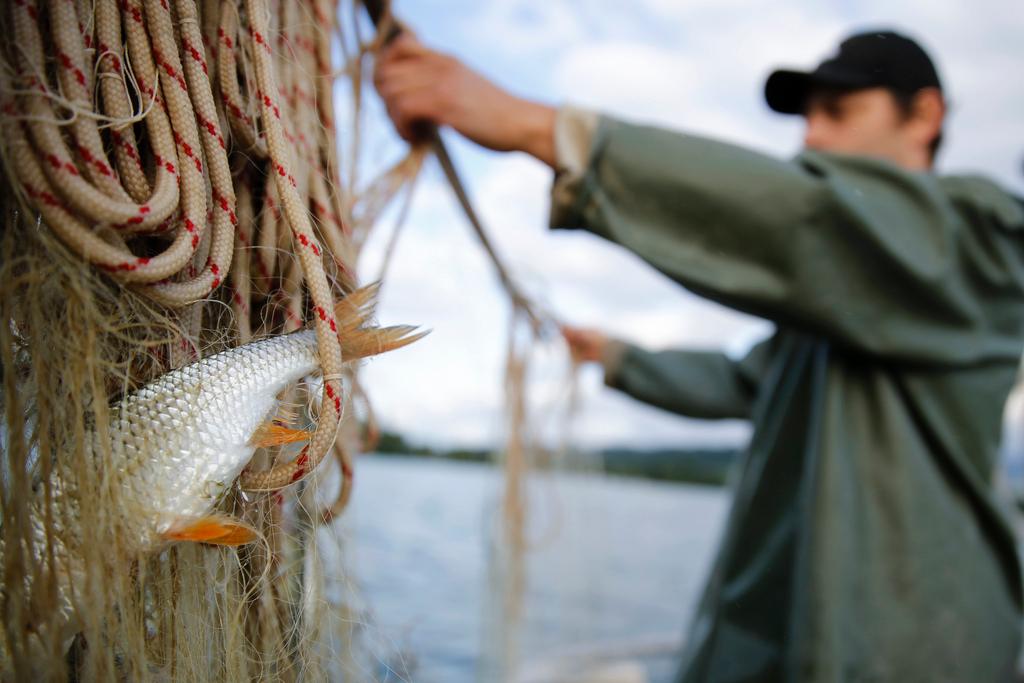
x,y
613,562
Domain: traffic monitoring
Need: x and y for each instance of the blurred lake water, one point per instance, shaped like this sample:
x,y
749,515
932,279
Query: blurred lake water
x,y
613,562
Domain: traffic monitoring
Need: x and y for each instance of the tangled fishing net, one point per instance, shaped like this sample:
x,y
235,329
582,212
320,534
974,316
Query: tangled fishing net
x,y
172,188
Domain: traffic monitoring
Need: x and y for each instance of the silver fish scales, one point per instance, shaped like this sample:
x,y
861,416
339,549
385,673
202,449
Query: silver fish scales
x,y
183,440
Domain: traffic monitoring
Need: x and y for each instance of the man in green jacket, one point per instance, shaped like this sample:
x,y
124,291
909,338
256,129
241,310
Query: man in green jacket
x,y
864,542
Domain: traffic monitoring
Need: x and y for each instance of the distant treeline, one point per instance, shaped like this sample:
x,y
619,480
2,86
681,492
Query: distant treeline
x,y
691,465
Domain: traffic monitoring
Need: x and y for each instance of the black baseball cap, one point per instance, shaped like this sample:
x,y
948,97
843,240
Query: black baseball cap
x,y
866,60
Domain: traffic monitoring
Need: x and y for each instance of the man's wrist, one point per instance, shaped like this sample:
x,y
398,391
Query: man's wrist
x,y
535,130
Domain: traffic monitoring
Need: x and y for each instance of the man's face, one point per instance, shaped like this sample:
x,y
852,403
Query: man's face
x,y
866,122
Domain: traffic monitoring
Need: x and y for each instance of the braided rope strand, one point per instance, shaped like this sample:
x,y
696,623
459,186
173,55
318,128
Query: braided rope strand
x,y
312,266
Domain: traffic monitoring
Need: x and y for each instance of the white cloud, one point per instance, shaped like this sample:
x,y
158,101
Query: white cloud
x,y
639,80
519,28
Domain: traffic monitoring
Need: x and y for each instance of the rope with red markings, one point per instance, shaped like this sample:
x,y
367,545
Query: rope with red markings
x,y
179,145
310,256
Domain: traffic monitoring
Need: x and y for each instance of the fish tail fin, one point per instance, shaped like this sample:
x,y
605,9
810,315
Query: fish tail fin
x,y
363,342
358,340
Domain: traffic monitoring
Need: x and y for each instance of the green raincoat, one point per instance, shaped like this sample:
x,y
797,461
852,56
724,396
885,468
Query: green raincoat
x,y
864,542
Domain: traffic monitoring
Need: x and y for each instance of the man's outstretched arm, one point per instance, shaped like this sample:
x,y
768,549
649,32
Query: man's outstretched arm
x,y
702,384
895,263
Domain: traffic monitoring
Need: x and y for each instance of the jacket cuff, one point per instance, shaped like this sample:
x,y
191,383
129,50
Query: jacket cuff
x,y
611,360
575,131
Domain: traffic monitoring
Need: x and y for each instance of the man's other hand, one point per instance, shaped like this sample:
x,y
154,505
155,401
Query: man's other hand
x,y
420,85
585,345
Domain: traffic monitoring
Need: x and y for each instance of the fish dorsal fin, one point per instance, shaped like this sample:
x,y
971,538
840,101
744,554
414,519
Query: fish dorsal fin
x,y
215,529
271,433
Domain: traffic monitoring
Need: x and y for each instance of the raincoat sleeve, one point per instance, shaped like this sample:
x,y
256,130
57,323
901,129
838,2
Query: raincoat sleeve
x,y
700,384
875,257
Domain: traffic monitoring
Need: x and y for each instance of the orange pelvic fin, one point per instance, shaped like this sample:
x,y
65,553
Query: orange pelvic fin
x,y
273,434
215,529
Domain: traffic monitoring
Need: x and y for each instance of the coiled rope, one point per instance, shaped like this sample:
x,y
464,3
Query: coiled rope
x,y
144,132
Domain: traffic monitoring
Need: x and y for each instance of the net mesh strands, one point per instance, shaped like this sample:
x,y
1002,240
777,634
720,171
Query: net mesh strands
x,y
524,450
527,524
172,188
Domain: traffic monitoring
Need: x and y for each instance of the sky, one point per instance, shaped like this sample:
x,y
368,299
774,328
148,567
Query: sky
x,y
695,65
